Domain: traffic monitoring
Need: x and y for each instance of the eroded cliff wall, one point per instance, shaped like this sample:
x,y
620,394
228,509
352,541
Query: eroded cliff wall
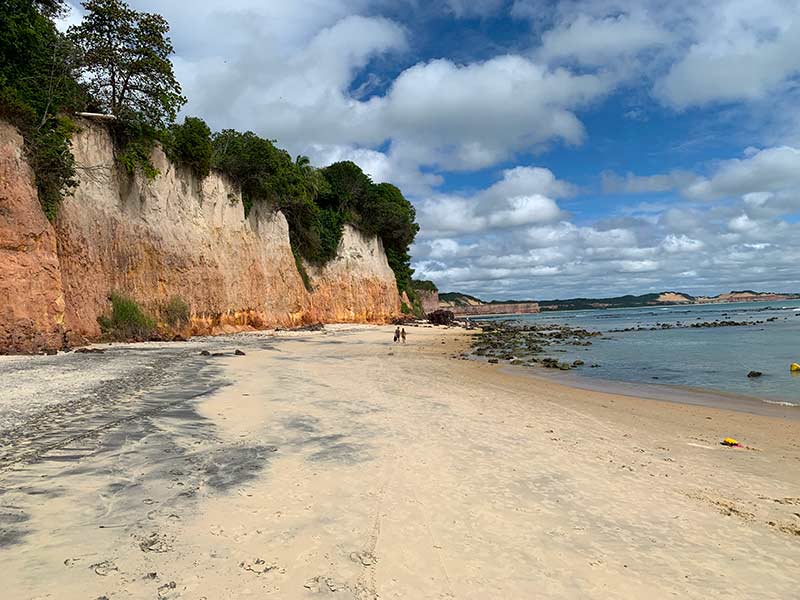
x,y
175,236
514,308
429,300
31,294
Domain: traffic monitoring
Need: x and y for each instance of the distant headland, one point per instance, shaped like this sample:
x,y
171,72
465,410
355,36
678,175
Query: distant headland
x,y
465,304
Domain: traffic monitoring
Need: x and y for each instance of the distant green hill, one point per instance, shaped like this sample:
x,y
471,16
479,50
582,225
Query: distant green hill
x,y
627,301
459,299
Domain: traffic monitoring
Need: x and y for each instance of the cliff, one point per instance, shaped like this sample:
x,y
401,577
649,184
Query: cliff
x,y
31,293
747,296
175,236
499,308
429,299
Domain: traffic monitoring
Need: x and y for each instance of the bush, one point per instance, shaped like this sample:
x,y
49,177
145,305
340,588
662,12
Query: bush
x,y
424,285
263,172
301,269
176,313
127,320
133,146
190,145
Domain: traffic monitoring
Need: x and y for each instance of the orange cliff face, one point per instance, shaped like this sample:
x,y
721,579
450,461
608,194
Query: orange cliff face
x,y
178,236
31,295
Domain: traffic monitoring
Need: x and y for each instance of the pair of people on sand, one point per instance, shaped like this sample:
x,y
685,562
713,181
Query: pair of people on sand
x,y
400,334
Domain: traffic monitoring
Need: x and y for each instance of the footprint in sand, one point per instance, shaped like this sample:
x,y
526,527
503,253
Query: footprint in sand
x,y
104,568
322,584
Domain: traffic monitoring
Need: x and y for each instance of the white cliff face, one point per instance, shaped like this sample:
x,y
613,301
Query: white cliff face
x,y
181,236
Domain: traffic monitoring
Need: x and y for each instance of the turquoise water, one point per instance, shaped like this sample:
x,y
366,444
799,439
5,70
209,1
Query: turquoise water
x,y
716,359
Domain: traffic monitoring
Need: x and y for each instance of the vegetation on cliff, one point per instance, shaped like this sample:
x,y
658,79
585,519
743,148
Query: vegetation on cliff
x,y
38,86
127,320
117,62
424,285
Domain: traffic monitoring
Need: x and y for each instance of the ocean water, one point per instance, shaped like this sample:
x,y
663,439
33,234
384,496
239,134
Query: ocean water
x,y
714,359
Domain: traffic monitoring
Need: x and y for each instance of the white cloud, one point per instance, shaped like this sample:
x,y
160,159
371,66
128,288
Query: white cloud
x,y
767,170
638,266
521,197
597,41
641,184
742,224
475,115
742,50
681,243
699,248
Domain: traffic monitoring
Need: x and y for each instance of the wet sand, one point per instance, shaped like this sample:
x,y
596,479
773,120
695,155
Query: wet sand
x,y
669,393
340,465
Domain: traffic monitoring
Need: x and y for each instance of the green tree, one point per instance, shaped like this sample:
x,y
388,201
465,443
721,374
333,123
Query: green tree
x,y
51,8
349,189
303,163
190,145
38,88
390,216
125,61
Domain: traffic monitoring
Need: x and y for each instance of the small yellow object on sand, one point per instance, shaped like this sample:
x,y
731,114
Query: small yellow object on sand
x,y
729,442
794,368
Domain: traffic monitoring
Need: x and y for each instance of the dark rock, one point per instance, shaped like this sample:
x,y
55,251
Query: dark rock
x,y
441,317
578,363
89,351
753,374
205,353
493,361
239,352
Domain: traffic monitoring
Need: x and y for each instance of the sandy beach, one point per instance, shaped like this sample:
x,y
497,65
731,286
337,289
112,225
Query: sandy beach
x,y
337,464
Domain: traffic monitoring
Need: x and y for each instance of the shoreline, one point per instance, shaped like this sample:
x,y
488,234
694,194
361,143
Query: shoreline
x,y
718,360
676,394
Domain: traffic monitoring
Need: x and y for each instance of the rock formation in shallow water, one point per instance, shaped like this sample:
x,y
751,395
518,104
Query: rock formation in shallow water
x,y
175,236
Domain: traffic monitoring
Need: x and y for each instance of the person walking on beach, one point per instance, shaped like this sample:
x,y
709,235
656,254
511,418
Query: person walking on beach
x,y
396,335
403,334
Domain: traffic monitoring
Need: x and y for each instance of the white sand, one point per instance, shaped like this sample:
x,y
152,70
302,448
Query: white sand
x,y
386,471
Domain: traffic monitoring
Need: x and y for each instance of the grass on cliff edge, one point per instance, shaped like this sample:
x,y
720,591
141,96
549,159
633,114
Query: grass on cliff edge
x,y
127,320
175,313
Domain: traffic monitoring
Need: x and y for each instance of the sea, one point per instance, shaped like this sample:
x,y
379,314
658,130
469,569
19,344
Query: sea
x,y
714,359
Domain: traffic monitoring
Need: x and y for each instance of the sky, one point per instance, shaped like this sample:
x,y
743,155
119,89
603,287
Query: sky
x,y
551,148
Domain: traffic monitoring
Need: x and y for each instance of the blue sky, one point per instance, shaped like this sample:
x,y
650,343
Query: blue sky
x,y
551,148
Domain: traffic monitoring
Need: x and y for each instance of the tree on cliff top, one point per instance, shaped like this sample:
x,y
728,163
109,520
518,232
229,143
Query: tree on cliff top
x,y
37,88
125,63
190,145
